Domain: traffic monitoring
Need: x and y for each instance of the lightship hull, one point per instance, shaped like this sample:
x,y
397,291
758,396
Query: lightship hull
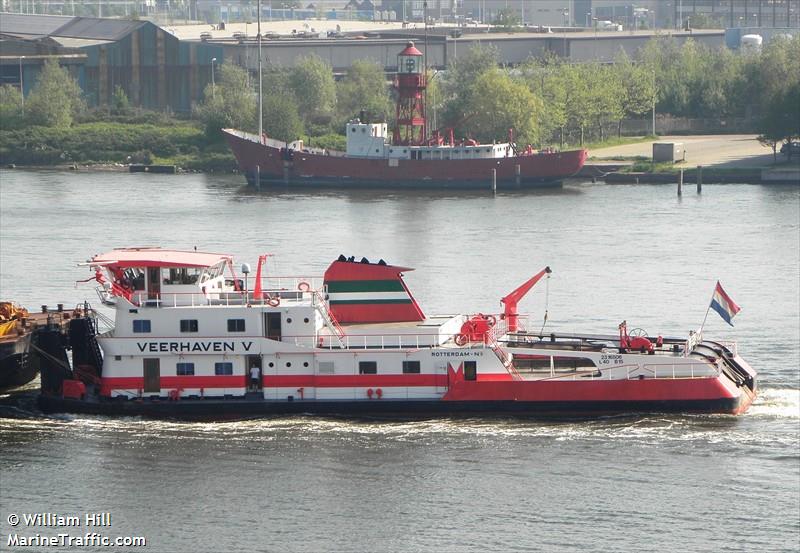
x,y
330,171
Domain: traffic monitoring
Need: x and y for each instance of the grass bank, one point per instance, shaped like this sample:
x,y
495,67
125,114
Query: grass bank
x,y
172,142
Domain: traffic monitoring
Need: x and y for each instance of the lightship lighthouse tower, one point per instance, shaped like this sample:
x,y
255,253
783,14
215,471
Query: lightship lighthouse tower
x,y
410,84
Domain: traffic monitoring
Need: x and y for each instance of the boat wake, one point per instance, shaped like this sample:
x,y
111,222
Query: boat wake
x,y
779,403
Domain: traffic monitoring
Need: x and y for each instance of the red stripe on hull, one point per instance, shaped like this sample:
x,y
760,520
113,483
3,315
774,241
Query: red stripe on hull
x,y
280,381
136,382
489,388
592,390
270,160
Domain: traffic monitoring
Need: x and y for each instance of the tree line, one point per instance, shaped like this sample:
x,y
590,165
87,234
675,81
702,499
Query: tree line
x,y
547,101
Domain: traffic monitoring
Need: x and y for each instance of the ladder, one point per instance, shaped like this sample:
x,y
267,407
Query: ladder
x,y
504,356
329,318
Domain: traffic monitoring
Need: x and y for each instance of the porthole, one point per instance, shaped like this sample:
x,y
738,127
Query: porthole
x,y
271,364
288,320
288,363
305,363
306,320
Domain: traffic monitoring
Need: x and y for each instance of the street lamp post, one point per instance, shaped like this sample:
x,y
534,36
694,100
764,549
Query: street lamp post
x,y
21,84
213,91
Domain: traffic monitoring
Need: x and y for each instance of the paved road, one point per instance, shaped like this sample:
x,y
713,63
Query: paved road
x,y
730,150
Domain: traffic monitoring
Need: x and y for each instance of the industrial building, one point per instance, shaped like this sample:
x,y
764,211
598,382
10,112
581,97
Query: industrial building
x,y
153,67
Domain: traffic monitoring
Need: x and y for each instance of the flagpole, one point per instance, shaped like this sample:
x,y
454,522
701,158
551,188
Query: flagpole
x,y
707,310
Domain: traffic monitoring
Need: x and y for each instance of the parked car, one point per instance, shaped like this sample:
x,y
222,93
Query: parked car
x,y
790,149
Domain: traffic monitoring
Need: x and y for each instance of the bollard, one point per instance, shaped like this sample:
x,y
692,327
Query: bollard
x,y
518,174
699,179
680,183
494,181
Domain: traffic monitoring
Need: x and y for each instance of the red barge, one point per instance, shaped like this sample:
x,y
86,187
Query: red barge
x,y
192,338
408,159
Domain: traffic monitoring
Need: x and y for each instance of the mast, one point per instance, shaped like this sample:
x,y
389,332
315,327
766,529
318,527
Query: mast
x,y
425,62
260,106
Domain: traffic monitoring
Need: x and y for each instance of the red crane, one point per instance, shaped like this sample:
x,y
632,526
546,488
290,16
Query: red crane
x,y
511,300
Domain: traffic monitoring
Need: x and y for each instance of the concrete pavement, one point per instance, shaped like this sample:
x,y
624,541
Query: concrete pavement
x,y
720,151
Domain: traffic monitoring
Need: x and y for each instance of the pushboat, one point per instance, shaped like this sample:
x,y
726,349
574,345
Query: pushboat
x,y
193,338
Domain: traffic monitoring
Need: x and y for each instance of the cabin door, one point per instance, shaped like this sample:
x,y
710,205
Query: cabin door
x,y
255,376
152,376
273,326
153,283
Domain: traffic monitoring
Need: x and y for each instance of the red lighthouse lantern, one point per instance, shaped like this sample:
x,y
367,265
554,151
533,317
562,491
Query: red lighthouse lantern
x,y
410,83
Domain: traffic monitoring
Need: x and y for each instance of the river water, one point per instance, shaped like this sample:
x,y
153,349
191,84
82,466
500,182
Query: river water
x,y
656,483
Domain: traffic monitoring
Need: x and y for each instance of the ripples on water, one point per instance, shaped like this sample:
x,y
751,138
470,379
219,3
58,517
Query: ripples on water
x,y
655,483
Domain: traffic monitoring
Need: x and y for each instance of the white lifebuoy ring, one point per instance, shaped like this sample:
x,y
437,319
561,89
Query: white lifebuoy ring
x,y
304,286
461,339
274,301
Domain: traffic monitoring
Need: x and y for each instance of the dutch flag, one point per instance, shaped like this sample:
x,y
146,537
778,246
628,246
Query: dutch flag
x,y
722,303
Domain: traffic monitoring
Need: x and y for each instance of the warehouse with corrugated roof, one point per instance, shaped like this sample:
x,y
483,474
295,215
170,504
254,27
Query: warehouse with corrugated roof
x,y
154,68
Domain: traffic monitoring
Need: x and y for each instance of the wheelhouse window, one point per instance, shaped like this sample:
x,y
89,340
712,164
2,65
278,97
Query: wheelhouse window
x,y
235,325
470,370
189,325
141,326
367,367
184,369
411,367
223,369
181,275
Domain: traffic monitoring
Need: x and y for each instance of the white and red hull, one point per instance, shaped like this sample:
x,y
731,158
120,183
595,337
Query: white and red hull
x,y
193,343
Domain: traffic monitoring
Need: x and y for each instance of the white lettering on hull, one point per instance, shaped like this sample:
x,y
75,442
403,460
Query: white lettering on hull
x,y
193,347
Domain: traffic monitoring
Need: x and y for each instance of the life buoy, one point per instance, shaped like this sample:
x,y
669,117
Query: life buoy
x,y
491,319
461,339
274,301
304,287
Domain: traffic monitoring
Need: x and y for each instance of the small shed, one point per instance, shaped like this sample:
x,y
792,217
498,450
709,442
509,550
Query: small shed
x,y
671,152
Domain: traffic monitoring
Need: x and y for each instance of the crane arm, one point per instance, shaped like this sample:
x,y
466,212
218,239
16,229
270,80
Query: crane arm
x,y
511,300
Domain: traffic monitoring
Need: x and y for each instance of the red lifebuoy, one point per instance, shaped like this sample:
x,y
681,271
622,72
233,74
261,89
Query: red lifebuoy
x,y
304,286
369,393
461,339
274,301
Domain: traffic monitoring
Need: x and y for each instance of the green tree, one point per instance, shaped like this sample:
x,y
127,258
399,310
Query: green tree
x,y
638,87
311,81
434,99
281,118
457,89
119,101
498,103
230,103
508,19
11,116
56,99
364,87
544,78
778,78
